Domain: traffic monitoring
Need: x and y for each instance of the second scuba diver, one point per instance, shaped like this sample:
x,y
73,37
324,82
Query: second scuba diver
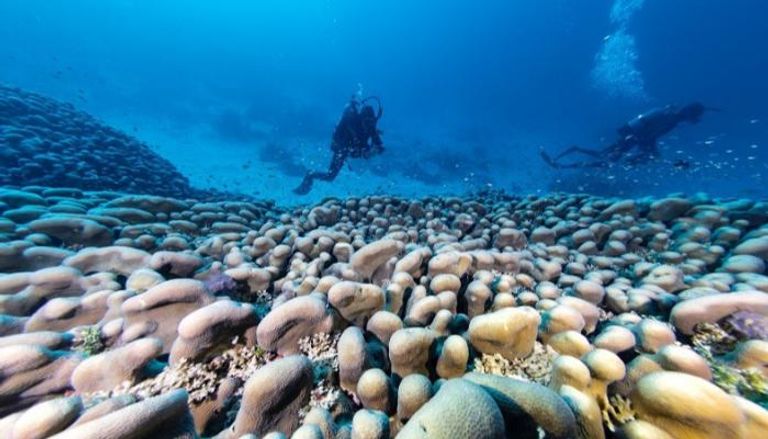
x,y
637,142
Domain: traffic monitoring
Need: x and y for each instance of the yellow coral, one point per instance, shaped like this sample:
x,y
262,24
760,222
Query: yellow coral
x,y
618,413
749,383
712,338
88,340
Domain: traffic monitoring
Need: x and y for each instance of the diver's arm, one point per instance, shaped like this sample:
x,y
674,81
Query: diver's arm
x,y
376,146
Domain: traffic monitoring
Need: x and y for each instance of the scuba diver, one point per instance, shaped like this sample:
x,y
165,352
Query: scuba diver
x,y
637,142
355,136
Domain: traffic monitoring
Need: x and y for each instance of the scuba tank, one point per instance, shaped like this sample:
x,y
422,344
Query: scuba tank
x,y
380,108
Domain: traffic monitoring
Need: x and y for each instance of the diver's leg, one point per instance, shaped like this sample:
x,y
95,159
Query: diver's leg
x,y
555,162
584,165
330,174
306,184
333,170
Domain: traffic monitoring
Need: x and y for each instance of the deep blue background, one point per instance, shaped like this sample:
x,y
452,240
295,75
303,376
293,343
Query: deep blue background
x,y
244,94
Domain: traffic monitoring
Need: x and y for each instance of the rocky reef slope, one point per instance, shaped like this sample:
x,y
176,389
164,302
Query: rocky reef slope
x,y
563,316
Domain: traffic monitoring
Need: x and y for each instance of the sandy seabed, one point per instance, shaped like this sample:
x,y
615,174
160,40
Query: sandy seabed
x,y
560,316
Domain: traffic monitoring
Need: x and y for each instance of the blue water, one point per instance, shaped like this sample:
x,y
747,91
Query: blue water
x,y
243,95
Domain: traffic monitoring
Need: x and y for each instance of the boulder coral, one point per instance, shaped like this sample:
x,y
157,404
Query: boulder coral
x,y
460,409
510,332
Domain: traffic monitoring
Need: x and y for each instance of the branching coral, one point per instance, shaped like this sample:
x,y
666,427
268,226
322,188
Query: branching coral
x,y
711,340
201,380
321,348
323,396
262,300
749,383
620,412
535,367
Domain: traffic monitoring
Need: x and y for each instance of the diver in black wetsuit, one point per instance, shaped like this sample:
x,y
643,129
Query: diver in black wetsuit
x,y
355,136
637,142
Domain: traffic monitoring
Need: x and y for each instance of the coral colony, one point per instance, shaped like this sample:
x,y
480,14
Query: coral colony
x,y
561,315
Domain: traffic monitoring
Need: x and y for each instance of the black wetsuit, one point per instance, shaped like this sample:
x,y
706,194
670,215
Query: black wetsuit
x,y
355,136
637,142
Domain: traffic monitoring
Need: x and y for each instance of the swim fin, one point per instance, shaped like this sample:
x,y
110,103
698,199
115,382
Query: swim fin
x,y
304,187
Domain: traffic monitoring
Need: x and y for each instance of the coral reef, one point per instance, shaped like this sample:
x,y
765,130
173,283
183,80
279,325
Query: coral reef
x,y
485,316
715,344
46,142
321,349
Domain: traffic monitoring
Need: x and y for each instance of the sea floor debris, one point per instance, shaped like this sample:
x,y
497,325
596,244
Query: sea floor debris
x,y
563,315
